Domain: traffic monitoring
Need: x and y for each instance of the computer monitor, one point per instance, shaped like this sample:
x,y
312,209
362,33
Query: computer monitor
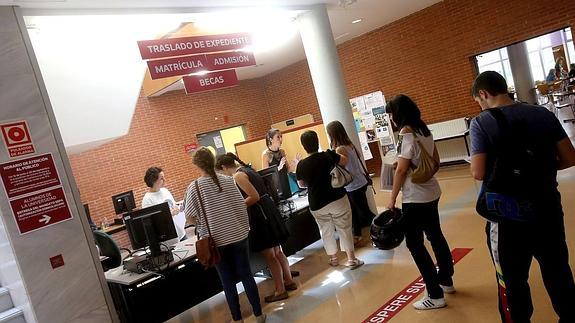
x,y
150,227
124,202
277,186
90,222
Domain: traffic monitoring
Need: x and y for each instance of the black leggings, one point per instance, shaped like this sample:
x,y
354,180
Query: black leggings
x,y
361,215
420,218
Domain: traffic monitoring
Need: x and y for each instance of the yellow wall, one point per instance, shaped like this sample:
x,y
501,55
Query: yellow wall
x,y
251,152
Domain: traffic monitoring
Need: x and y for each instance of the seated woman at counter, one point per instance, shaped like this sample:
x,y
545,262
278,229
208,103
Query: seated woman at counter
x,y
329,206
227,217
267,228
158,193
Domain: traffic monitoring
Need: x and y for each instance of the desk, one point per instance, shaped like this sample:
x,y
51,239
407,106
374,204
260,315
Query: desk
x,y
114,228
147,297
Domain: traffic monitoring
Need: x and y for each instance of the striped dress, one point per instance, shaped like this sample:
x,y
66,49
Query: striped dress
x,y
226,210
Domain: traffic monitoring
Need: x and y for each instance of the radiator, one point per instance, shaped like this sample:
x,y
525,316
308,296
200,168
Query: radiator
x,y
449,140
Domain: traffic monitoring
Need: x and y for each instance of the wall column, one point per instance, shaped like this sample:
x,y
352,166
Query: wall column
x,y
519,61
323,62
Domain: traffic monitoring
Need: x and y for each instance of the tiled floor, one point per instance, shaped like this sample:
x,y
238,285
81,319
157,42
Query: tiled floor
x,y
340,295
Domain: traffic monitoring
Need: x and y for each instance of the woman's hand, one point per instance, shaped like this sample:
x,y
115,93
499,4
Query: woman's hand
x,y
391,204
282,163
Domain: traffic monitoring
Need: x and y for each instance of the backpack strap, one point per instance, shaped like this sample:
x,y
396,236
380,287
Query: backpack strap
x,y
503,125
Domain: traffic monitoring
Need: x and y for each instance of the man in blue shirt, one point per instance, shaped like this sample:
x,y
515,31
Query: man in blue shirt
x,y
513,244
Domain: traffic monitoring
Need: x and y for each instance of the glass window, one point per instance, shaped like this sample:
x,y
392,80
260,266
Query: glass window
x,y
497,61
568,34
571,51
532,44
488,58
508,75
548,59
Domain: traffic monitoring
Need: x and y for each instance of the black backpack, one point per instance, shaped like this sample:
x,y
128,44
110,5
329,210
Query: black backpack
x,y
511,186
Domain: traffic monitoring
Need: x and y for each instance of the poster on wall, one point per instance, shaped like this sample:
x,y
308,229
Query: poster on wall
x,y
35,192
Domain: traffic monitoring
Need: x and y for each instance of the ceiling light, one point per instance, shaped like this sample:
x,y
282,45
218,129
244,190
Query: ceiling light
x,y
357,21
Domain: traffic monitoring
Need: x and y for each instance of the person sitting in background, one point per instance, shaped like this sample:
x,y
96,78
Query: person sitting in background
x,y
551,76
572,73
158,194
329,206
267,227
216,198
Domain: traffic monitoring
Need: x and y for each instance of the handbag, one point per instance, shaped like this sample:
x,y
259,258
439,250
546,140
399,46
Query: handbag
x,y
340,177
206,249
427,167
365,173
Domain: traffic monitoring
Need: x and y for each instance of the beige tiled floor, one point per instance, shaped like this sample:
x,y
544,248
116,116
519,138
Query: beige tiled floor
x,y
340,295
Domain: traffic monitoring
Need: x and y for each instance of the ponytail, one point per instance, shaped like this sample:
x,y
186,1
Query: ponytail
x,y
204,159
229,160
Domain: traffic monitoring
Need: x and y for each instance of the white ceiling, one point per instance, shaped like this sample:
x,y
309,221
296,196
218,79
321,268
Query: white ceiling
x,y
374,14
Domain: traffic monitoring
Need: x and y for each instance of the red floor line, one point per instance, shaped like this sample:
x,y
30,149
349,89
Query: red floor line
x,y
407,295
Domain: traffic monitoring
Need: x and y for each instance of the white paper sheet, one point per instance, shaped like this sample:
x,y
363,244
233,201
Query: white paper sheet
x,y
180,223
364,146
218,142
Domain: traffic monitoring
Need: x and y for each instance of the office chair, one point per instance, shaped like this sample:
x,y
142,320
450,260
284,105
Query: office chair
x,y
108,248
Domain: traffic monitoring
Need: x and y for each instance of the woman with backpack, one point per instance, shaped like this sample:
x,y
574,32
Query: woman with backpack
x,y
420,198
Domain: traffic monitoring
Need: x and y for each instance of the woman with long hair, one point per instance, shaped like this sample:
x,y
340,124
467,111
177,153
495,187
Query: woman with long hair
x,y
361,215
227,217
274,155
268,229
420,203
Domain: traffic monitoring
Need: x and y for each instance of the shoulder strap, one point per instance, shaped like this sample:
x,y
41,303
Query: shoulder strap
x,y
202,207
502,124
360,162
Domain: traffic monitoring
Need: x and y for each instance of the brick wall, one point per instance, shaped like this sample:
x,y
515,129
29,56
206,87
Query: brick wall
x,y
426,55
160,128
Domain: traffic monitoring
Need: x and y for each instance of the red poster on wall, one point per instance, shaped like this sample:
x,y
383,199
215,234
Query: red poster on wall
x,y
169,47
28,175
224,61
185,65
210,81
40,210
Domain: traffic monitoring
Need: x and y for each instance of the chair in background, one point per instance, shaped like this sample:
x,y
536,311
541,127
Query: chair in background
x,y
108,248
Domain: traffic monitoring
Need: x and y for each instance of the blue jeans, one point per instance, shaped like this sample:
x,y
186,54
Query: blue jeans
x,y
234,266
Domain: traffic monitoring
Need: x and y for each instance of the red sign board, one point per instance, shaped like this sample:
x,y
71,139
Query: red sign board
x,y
169,47
210,81
28,175
40,210
17,138
190,148
224,61
177,66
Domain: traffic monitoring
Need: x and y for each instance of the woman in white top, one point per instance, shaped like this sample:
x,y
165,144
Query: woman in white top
x,y
227,217
420,203
158,194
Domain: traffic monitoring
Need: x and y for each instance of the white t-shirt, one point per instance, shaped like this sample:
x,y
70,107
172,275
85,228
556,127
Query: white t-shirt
x,y
161,196
409,149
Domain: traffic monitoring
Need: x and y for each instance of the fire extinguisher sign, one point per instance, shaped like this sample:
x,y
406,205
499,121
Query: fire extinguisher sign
x,y
17,138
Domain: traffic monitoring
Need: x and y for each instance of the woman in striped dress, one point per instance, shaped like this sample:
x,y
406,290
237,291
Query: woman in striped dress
x,y
229,225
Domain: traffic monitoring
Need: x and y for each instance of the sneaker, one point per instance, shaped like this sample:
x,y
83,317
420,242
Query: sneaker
x,y
276,297
448,289
354,264
261,318
428,303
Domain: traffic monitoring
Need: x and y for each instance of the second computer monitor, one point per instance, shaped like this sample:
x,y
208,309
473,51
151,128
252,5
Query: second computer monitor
x,y
124,202
151,227
277,186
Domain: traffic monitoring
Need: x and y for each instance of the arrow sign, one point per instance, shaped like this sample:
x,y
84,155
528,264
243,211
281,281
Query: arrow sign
x,y
45,219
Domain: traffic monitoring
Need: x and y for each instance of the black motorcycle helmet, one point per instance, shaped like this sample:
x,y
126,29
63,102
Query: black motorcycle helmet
x,y
386,230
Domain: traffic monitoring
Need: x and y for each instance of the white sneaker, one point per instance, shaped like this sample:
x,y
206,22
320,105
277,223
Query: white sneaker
x,y
448,289
427,303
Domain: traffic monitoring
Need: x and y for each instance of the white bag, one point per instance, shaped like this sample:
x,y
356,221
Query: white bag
x,y
340,177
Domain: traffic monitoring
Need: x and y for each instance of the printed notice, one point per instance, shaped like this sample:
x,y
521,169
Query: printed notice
x,y
29,175
40,210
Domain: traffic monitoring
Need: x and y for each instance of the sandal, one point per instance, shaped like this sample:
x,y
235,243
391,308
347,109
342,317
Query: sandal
x,y
290,287
333,261
276,297
354,264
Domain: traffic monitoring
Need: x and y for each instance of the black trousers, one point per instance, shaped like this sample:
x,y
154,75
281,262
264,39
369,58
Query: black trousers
x,y
361,215
513,246
420,218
